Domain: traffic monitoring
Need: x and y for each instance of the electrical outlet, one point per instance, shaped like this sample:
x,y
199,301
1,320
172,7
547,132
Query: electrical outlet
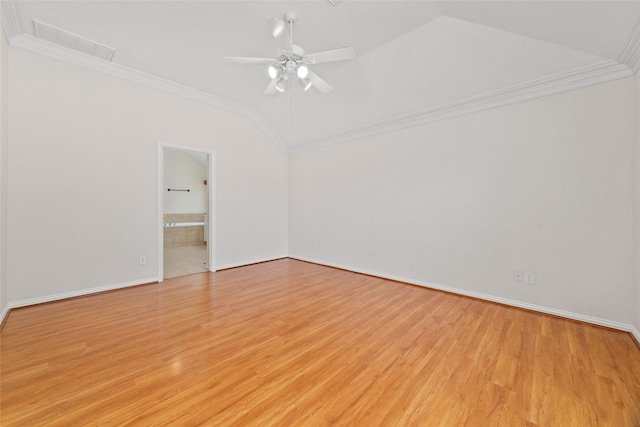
x,y
236,247
143,260
517,276
315,246
529,278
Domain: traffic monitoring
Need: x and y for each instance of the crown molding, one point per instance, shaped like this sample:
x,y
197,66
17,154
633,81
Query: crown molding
x,y
269,131
630,52
33,44
629,61
10,19
562,82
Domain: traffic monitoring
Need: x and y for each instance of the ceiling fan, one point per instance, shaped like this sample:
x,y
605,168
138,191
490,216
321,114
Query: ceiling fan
x,y
292,60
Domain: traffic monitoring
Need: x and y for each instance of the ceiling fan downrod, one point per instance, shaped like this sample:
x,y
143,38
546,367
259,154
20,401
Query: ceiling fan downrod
x,y
290,17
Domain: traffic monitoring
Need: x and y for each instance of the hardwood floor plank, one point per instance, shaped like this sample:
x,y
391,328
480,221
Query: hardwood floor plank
x,y
292,343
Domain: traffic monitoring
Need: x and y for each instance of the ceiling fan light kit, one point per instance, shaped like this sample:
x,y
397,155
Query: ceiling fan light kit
x,y
305,83
293,60
302,71
275,71
281,85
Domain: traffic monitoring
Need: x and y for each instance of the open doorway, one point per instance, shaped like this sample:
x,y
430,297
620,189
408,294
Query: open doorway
x,y
185,219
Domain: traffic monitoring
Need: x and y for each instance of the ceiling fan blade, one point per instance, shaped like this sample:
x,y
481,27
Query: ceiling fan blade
x,y
271,89
341,54
320,84
281,34
246,60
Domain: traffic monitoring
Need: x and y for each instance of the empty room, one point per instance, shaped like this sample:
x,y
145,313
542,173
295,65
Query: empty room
x,y
321,212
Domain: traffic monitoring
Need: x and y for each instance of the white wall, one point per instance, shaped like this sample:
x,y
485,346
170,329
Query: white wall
x,y
83,178
183,173
543,186
4,75
637,207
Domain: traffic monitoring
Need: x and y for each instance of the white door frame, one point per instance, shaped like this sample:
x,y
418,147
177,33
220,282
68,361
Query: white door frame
x,y
211,203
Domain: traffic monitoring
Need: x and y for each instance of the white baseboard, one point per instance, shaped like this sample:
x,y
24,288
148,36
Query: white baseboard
x,y
79,293
89,291
3,313
514,303
245,263
542,309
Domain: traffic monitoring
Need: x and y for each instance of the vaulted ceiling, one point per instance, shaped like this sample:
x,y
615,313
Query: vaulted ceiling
x,y
416,61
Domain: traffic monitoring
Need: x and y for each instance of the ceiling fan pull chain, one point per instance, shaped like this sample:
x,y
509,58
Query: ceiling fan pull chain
x,y
291,110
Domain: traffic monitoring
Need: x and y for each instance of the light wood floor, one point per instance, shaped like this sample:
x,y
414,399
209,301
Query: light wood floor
x,y
288,343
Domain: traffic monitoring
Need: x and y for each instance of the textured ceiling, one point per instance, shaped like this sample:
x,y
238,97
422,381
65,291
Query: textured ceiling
x,y
417,60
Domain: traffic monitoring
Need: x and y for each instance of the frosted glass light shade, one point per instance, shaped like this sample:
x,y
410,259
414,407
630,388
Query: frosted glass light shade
x,y
302,71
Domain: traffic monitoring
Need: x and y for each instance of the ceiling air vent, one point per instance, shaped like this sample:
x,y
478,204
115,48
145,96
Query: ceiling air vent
x,y
72,41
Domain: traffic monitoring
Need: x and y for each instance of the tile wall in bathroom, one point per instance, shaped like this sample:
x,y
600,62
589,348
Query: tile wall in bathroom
x,y
183,236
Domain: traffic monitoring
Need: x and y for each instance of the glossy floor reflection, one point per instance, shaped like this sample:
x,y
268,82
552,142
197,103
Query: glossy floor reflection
x,y
290,343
